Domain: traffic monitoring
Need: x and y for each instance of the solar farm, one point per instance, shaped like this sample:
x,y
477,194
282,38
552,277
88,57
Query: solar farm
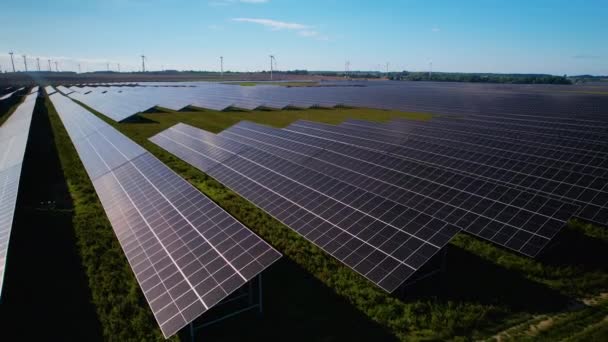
x,y
347,210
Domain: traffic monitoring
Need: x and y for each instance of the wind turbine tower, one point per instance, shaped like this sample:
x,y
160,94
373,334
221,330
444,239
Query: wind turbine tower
x,y
12,60
25,62
79,71
273,62
143,63
56,66
346,68
118,65
50,69
38,63
222,66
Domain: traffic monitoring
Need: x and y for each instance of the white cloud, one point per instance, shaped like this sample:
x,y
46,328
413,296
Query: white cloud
x,y
435,29
273,24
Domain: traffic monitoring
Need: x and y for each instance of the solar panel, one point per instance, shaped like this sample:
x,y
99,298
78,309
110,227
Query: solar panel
x,y
548,109
9,186
64,90
383,241
583,161
587,190
6,96
477,207
541,129
524,137
578,174
187,253
545,122
50,90
14,135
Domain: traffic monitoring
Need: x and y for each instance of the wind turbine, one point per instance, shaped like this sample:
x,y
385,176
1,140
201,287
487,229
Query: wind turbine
x,y
56,66
346,68
12,60
24,61
222,66
50,69
143,63
272,59
118,65
79,71
38,62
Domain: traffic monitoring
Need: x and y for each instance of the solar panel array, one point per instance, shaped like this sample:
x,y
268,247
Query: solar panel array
x,y
14,134
187,253
121,102
576,171
381,239
469,174
549,178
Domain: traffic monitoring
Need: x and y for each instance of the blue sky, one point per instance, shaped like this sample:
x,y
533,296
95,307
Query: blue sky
x,y
557,37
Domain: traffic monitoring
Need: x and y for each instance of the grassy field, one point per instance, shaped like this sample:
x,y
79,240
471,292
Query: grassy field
x,y
484,290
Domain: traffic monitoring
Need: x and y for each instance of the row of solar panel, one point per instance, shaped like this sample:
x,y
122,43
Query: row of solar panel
x,y
123,102
9,95
587,190
187,253
14,135
365,205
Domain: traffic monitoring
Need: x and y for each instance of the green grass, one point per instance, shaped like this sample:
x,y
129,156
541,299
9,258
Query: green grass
x,y
214,121
589,323
484,289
